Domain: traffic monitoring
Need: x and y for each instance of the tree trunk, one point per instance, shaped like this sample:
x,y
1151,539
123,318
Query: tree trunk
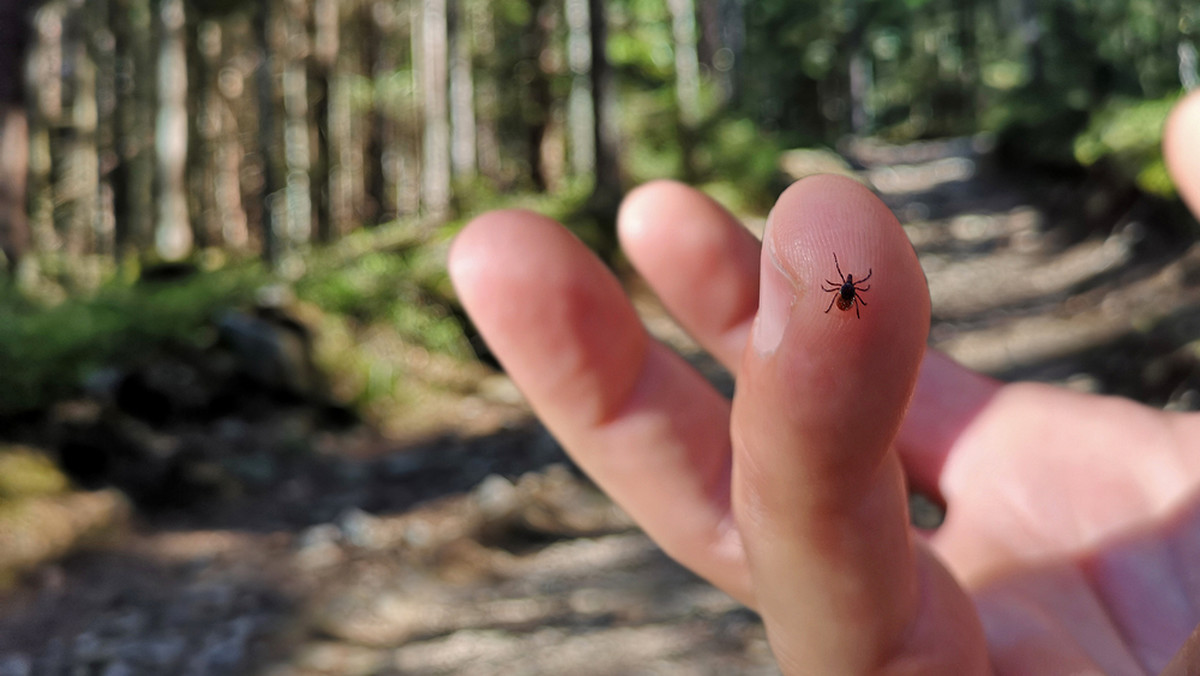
x,y
969,75
606,192
687,61
536,101
297,223
687,80
227,99
580,122
47,58
1189,74
344,130
14,165
406,143
102,44
78,178
173,234
1029,28
462,89
487,96
132,178
435,157
721,36
204,54
323,62
267,107
376,23
860,76
15,32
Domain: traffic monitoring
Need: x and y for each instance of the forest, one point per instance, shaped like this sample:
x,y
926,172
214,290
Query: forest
x,y
328,150
246,426
159,130
144,132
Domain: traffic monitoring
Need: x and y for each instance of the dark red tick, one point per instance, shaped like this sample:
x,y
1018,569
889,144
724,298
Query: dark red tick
x,y
848,291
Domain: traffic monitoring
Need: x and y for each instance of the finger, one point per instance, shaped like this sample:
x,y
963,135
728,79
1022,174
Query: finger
x,y
703,264
699,260
818,494
1181,149
636,417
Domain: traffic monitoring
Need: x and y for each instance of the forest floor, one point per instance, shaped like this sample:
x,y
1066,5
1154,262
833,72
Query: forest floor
x,y
481,550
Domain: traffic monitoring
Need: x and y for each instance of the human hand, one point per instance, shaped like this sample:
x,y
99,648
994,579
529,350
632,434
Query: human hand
x,y
1073,521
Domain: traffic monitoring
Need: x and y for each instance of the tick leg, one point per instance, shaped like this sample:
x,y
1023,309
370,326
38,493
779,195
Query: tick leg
x,y
865,288
870,271
830,305
856,302
839,268
860,299
829,290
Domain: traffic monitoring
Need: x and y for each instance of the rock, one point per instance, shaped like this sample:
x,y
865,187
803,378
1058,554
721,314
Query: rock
x,y
36,530
359,528
329,657
275,353
16,665
224,649
496,497
319,546
157,653
118,669
25,472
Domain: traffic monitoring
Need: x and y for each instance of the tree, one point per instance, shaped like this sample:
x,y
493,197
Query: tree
x,y
435,174
462,89
606,193
173,235
14,131
580,121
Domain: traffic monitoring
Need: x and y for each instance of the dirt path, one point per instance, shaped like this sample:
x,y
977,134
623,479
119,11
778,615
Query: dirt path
x,y
488,554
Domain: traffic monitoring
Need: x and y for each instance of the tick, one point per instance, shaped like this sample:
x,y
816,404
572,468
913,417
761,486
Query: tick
x,y
848,291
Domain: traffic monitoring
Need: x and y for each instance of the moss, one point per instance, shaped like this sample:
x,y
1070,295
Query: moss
x,y
26,473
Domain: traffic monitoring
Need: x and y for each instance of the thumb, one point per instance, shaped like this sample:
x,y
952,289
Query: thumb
x,y
818,491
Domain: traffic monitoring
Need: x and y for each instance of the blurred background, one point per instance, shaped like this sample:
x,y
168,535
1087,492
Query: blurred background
x,y
246,428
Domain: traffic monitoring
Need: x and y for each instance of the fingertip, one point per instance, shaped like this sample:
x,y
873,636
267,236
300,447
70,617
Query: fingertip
x,y
698,258
635,218
834,378
826,230
1181,149
468,252
668,218
492,234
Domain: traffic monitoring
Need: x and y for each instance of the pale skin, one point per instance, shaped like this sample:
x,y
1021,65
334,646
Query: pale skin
x,y
1072,538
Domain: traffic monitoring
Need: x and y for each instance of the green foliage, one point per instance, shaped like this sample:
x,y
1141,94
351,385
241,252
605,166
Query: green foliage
x,y
376,281
1127,134
45,352
650,121
740,163
403,290
1035,129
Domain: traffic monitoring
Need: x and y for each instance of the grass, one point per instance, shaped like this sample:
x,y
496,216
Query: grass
x,y
49,348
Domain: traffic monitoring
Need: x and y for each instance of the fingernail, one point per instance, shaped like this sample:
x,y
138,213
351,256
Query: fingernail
x,y
776,295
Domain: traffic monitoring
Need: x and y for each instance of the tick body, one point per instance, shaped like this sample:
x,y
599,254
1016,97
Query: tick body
x,y
847,292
